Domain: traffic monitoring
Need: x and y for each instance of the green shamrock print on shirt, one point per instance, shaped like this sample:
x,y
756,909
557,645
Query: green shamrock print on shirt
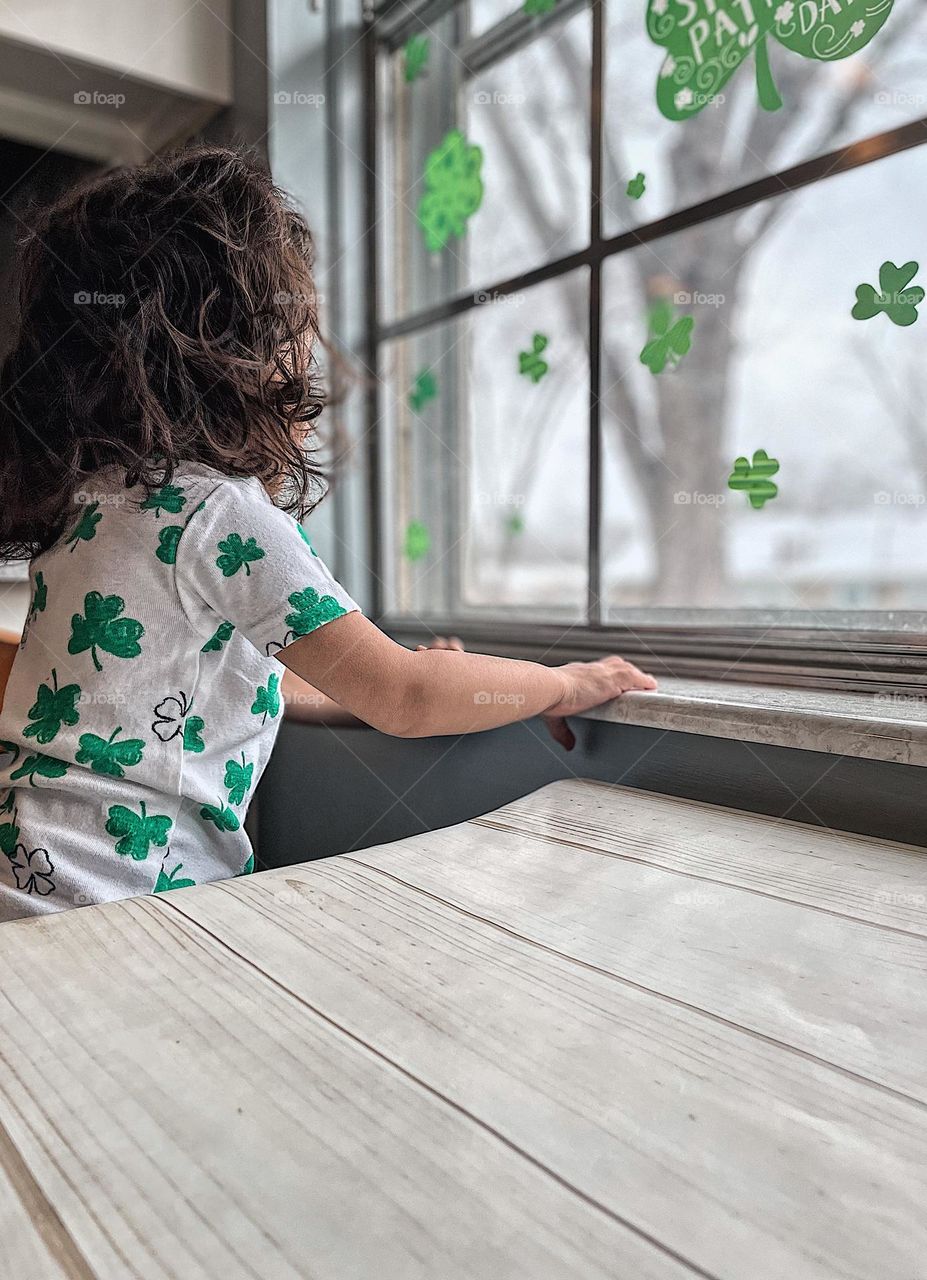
x,y
52,708
168,498
106,755
238,779
172,717
236,555
221,816
136,832
44,766
32,870
454,190
168,542
310,611
896,300
100,627
9,834
166,882
248,868
221,636
39,597
267,701
86,527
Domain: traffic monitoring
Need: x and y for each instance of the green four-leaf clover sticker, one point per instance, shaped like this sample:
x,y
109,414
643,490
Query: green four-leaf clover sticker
x,y
668,339
136,832
86,527
896,300
310,611
221,816
454,190
267,700
100,627
418,541
415,57
707,40
636,186
52,708
236,554
530,363
170,497
423,391
238,779
42,766
106,755
753,478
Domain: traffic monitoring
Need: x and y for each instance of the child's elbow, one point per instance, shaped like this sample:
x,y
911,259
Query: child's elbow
x,y
407,713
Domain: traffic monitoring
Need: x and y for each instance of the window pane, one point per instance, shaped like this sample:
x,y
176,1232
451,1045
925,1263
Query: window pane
x,y
732,140
492,464
529,116
777,363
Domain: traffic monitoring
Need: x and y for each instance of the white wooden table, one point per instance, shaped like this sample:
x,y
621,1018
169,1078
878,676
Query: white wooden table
x,y
598,1033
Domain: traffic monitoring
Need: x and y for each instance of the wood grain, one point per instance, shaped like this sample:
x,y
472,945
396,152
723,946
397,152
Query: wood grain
x,y
742,1157
188,1117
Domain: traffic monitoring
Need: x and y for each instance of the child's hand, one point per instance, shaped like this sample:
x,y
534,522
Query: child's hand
x,y
441,642
589,684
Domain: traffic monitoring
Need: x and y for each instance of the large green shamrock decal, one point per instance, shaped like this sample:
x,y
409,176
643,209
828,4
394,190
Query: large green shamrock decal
x,y
100,627
106,755
238,779
415,57
44,766
896,300
170,497
168,542
236,554
221,816
52,708
707,40
668,338
424,390
165,882
136,832
86,527
310,610
454,190
530,363
32,870
221,635
752,478
267,701
418,541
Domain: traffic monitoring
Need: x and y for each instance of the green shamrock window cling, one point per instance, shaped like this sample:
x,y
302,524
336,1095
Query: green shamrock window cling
x,y
530,363
170,497
707,40
237,553
515,524
267,698
136,832
33,870
42,766
536,8
636,187
418,541
52,708
896,300
752,478
172,881
453,190
86,527
424,390
415,57
101,627
669,338
106,755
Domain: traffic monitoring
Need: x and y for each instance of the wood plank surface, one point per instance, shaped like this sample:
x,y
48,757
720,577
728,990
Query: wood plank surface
x,y
187,1117
742,1157
879,881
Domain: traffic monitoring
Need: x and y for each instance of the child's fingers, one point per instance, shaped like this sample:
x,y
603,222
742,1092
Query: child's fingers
x,y
559,729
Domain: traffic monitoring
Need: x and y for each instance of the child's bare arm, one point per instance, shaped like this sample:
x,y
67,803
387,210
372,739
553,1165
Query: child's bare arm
x,y
9,644
433,691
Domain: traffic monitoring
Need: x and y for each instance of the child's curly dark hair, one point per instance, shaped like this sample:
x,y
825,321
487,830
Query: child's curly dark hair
x,y
167,314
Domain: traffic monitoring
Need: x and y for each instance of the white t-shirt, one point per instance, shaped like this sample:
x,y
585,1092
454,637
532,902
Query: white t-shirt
x,y
144,701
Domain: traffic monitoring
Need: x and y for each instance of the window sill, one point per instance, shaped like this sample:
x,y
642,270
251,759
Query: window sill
x,y
877,726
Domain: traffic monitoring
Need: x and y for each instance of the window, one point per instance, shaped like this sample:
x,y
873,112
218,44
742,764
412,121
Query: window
x,y
539,483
